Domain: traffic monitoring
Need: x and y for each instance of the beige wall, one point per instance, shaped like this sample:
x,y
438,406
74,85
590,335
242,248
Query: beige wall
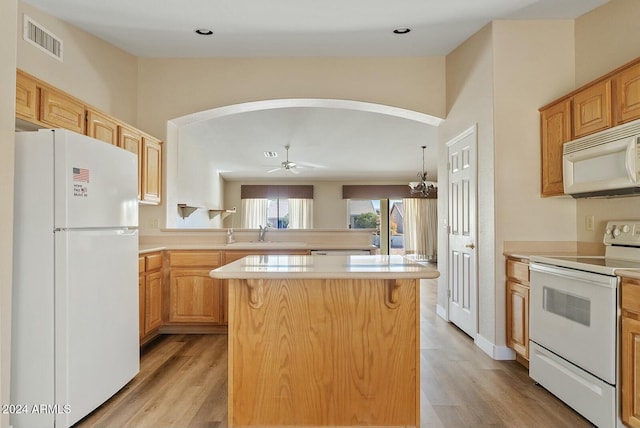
x,y
8,10
470,102
171,88
94,71
522,85
606,38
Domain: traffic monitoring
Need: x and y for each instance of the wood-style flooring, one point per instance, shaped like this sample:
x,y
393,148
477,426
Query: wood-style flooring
x,y
183,383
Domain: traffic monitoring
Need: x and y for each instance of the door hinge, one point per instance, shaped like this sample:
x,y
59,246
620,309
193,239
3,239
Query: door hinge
x,y
448,293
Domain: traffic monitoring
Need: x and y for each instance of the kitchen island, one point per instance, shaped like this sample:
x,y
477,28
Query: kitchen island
x,y
324,340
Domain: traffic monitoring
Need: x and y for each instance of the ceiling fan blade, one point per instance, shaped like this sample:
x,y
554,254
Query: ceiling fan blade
x,y
274,170
293,170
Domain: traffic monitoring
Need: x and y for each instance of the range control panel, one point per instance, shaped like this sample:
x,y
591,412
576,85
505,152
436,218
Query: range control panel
x,y
622,232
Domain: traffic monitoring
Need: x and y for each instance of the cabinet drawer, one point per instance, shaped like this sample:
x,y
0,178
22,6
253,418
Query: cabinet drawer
x,y
194,258
141,264
153,261
518,271
631,295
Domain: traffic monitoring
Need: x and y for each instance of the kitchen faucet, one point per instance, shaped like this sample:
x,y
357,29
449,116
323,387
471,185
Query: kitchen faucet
x,y
262,232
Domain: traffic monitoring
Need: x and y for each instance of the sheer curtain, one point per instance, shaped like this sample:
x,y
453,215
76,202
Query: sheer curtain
x,y
421,227
254,213
300,213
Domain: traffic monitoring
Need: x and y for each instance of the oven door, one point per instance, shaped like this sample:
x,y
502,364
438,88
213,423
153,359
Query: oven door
x,y
573,314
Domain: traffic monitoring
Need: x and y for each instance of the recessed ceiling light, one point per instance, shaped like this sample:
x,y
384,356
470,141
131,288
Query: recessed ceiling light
x,y
204,31
402,30
270,154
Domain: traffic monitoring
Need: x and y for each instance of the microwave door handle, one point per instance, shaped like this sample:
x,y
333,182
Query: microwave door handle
x,y
631,160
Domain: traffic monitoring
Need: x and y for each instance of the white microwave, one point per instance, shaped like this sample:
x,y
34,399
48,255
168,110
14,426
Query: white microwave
x,y
603,164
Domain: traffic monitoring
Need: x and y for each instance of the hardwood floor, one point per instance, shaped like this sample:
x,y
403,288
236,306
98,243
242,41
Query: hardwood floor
x,y
183,383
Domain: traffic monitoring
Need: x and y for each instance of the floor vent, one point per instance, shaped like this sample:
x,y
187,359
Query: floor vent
x,y
42,38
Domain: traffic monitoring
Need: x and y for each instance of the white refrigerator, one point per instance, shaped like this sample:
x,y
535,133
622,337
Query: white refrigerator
x,y
75,280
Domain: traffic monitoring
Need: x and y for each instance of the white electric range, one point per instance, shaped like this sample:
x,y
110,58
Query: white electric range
x,y
574,323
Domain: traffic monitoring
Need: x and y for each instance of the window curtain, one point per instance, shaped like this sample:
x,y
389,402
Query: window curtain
x,y
421,227
300,213
254,213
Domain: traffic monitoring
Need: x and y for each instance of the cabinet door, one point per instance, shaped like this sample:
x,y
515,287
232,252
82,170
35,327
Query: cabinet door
x,y
131,140
194,296
151,171
26,98
628,94
518,318
592,109
555,131
60,111
153,301
630,372
102,127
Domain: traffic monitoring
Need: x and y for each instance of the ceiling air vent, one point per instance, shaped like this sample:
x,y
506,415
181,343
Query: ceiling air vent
x,y
42,38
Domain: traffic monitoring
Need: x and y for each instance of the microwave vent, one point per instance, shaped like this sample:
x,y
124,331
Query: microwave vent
x,y
42,38
613,134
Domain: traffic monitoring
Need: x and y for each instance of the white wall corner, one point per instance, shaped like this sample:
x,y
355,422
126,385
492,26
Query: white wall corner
x,y
441,311
494,351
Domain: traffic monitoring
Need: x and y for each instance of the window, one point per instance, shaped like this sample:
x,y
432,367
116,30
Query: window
x,y
383,215
280,207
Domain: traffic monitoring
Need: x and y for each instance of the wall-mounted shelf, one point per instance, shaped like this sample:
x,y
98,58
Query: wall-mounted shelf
x,y
222,213
186,210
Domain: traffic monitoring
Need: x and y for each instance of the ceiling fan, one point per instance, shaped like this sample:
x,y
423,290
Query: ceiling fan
x,y
290,166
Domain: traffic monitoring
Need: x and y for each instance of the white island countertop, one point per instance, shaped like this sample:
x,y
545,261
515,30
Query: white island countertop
x,y
321,267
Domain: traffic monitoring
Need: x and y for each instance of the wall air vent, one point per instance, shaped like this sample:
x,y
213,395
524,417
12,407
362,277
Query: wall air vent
x,y
42,38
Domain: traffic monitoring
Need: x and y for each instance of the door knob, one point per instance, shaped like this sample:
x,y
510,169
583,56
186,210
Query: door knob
x,y
472,246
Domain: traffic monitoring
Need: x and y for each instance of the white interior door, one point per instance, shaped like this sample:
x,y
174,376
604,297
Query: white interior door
x,y
461,154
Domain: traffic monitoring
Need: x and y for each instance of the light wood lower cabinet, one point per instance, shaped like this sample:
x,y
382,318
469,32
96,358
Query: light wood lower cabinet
x,y
517,287
194,297
630,352
150,288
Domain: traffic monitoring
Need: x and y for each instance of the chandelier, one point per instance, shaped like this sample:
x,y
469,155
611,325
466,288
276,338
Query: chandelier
x,y
422,187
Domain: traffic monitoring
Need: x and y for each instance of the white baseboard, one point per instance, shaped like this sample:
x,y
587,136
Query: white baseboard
x,y
494,351
442,312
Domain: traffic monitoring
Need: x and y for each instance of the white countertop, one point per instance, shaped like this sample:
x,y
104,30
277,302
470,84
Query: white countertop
x,y
251,245
325,267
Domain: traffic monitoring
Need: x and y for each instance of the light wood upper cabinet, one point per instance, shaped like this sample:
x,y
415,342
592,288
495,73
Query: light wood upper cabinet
x,y
131,140
592,109
45,106
627,84
60,111
555,130
151,171
26,98
102,127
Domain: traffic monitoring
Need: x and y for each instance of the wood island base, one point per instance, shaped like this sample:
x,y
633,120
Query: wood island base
x,y
324,352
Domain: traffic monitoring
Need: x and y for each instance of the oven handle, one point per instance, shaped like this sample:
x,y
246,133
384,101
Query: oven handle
x,y
594,278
